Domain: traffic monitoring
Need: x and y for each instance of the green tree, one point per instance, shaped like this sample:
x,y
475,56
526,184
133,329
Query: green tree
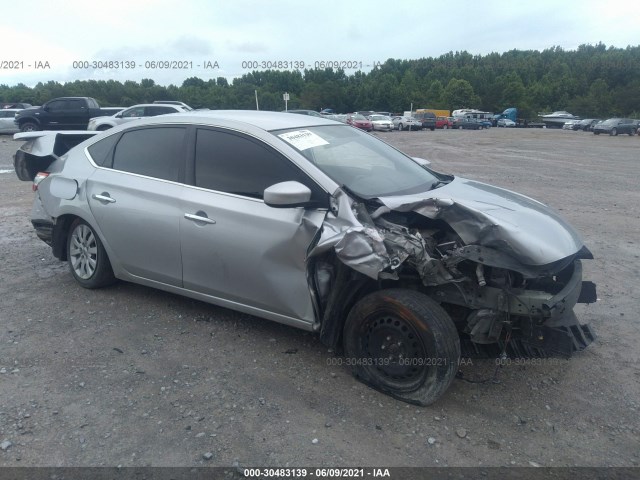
x,y
459,94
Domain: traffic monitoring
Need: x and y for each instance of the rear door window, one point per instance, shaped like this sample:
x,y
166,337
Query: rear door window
x,y
157,152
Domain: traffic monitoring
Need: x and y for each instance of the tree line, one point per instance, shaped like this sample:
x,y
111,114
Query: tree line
x,y
591,81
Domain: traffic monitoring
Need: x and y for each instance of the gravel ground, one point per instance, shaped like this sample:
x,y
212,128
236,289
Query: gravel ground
x,y
133,376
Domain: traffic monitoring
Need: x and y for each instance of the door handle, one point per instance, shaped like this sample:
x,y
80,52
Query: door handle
x,y
104,198
199,218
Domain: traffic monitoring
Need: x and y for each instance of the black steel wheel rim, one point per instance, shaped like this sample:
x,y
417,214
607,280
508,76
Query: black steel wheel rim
x,y
394,351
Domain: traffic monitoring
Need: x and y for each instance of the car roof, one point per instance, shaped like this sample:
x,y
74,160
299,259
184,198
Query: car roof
x,y
263,120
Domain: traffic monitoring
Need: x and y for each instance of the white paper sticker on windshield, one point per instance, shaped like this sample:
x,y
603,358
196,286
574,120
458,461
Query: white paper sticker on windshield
x,y
303,139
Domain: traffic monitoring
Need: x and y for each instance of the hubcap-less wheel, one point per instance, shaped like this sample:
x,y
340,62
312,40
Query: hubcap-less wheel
x,y
83,252
29,127
402,343
397,345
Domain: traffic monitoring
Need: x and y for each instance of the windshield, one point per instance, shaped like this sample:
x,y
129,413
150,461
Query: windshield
x,y
365,165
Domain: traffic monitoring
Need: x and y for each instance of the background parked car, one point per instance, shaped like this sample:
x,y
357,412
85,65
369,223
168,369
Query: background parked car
x,y
506,122
467,124
7,125
443,122
570,125
586,124
428,120
359,121
17,105
174,102
312,113
614,126
381,122
406,123
134,113
338,117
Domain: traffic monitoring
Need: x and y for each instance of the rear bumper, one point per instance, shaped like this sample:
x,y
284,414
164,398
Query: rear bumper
x,y
44,230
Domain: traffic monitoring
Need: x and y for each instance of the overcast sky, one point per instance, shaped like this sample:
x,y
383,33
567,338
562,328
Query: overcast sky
x,y
200,33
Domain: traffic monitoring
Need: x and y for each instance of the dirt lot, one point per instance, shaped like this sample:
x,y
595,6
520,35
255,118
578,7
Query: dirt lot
x,y
133,376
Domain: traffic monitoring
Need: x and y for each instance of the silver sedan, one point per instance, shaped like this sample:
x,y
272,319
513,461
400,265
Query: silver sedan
x,y
317,225
381,122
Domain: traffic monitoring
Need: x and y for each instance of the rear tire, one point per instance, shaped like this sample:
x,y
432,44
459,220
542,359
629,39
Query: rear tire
x,y
614,132
402,343
400,127
87,258
29,127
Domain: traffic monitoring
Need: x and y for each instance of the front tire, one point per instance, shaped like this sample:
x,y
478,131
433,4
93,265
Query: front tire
x,y
614,132
402,343
400,127
87,258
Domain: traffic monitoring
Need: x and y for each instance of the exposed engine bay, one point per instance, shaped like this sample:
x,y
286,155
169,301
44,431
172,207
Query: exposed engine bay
x,y
498,303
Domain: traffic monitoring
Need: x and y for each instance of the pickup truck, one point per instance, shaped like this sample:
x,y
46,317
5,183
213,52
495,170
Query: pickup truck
x,y
64,113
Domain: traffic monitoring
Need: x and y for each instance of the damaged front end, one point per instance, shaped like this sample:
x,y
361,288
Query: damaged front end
x,y
506,268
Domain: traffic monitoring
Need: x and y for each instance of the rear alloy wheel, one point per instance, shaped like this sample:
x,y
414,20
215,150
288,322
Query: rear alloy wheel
x,y
613,132
402,343
445,126
400,127
88,260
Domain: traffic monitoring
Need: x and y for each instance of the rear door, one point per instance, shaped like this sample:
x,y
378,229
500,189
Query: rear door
x,y
234,246
134,197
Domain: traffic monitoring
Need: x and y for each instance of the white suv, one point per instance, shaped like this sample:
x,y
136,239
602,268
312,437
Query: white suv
x,y
134,113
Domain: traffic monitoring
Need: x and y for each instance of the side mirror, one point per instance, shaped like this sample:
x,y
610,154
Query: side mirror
x,y
287,195
421,161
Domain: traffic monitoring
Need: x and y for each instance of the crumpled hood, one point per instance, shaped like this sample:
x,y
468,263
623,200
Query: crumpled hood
x,y
494,217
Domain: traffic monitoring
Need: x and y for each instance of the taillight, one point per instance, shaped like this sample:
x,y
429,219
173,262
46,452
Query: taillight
x,y
40,176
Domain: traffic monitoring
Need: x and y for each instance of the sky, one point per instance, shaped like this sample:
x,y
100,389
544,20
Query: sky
x,y
172,40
